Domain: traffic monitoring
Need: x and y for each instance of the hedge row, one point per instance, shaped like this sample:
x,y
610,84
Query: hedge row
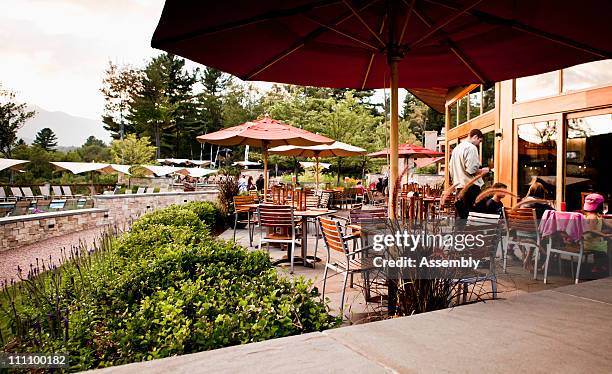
x,y
164,288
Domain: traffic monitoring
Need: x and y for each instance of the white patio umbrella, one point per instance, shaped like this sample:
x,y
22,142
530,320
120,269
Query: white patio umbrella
x,y
10,163
161,171
336,149
196,172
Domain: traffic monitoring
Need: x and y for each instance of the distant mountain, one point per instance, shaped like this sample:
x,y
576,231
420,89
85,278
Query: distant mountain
x,y
71,131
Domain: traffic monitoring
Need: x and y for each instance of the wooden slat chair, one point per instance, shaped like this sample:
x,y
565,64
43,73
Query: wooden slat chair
x,y
522,231
57,192
16,192
43,205
239,208
335,240
489,230
277,225
22,207
89,203
70,204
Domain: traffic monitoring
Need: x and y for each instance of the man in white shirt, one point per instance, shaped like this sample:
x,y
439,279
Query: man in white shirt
x,y
464,165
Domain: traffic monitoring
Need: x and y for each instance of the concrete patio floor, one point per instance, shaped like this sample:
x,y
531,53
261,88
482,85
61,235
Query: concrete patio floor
x,y
516,281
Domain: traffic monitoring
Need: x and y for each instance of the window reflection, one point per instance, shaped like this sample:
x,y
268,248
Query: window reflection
x,y
537,86
587,75
474,98
587,148
463,108
453,116
488,99
537,156
488,153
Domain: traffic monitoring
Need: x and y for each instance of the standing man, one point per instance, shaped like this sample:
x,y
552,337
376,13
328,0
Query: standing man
x,y
259,183
464,165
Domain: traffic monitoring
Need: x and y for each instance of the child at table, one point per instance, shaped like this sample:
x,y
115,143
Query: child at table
x,y
594,237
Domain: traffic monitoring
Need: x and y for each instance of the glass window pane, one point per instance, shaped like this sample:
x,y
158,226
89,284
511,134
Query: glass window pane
x,y
453,116
475,96
488,153
587,149
587,75
537,156
462,109
537,86
488,99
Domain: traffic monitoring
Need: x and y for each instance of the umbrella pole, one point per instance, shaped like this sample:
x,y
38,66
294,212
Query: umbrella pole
x,y
265,160
317,173
393,136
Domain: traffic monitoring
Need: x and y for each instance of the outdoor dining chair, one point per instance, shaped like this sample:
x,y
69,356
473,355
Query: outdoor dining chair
x,y
488,227
241,209
277,225
350,263
522,231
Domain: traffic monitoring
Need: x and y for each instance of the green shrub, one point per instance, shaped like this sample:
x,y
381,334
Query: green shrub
x,y
166,287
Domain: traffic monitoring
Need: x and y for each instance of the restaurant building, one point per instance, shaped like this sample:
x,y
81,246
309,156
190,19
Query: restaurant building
x,y
555,128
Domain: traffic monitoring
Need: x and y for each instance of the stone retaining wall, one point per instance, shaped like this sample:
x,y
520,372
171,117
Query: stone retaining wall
x,y
21,230
118,210
123,209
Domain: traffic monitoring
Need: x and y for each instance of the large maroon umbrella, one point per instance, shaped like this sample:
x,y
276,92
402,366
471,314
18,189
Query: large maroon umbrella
x,y
364,44
264,133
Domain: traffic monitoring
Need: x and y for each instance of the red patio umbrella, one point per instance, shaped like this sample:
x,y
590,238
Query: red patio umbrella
x,y
408,151
264,133
364,44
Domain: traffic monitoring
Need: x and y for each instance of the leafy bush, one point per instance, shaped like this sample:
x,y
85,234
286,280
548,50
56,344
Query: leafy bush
x,y
166,287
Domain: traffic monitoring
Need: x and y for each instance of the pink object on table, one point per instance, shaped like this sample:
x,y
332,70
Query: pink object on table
x,y
572,223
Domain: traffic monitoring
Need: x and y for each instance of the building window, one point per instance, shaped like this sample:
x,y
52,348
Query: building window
x,y
452,113
487,154
537,86
587,147
537,157
587,75
475,101
463,109
488,98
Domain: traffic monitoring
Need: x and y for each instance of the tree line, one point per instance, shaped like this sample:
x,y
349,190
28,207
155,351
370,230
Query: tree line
x,y
172,104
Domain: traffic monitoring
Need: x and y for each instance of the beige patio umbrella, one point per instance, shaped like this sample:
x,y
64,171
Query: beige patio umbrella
x,y
264,133
10,163
336,149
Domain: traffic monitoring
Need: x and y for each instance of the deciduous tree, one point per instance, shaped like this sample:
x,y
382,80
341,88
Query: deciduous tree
x,y
12,118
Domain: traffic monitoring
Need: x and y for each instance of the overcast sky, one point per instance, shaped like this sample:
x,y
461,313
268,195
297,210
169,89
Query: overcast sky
x,y
54,52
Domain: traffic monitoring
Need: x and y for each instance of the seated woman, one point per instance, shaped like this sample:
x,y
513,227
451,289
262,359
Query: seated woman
x,y
536,192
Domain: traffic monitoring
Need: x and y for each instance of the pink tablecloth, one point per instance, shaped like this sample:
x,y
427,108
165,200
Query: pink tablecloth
x,y
572,223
